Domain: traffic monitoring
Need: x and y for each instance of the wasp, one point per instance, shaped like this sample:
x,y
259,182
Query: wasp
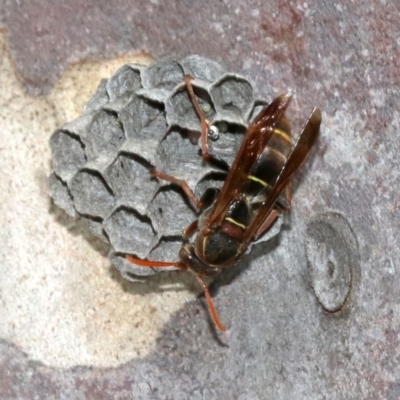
x,y
256,190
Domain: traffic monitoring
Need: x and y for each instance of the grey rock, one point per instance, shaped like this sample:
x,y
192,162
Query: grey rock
x,y
333,259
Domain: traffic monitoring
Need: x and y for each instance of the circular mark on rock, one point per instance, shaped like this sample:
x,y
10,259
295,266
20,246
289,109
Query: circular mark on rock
x,y
333,260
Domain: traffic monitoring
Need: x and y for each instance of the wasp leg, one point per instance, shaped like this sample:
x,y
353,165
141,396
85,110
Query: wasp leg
x,y
182,183
288,199
267,224
288,196
192,228
210,305
155,264
205,128
205,124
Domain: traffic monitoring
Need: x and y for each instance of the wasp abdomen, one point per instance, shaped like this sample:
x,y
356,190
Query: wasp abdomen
x,y
265,170
239,212
237,218
270,163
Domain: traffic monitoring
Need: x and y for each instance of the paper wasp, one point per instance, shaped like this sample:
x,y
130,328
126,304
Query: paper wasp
x,y
256,189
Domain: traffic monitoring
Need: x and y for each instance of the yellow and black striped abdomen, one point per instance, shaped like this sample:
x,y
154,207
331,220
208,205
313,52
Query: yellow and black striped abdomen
x,y
221,247
261,178
281,139
270,163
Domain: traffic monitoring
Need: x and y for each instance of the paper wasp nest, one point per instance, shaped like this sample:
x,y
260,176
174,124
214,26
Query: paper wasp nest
x,y
140,118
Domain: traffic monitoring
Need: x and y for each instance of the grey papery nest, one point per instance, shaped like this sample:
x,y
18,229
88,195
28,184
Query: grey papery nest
x,y
140,118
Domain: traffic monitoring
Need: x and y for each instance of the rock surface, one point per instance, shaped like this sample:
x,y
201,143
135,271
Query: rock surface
x,y
282,342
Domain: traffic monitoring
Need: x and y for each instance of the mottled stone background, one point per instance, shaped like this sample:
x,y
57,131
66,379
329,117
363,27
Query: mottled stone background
x,y
72,328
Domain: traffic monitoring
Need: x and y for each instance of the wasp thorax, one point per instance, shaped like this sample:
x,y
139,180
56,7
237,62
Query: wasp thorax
x,y
217,249
189,257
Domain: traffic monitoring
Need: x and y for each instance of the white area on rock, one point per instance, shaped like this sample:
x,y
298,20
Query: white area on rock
x,y
60,300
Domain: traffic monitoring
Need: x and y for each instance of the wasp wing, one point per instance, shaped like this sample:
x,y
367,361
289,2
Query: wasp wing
x,y
256,138
296,158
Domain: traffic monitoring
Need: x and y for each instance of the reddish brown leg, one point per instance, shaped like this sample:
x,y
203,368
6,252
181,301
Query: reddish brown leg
x,y
160,264
205,124
182,183
190,229
288,196
155,264
211,307
269,221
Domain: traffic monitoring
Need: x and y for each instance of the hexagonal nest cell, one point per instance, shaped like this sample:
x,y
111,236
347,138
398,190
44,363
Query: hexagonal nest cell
x,y
141,118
